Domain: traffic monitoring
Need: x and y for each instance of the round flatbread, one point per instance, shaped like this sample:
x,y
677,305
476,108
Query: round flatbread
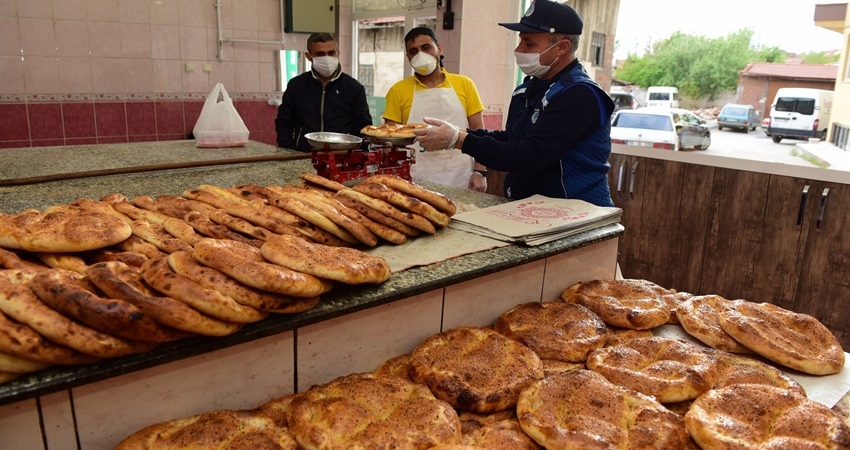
x,y
554,330
435,199
392,130
475,369
21,341
62,229
633,304
700,317
346,265
738,369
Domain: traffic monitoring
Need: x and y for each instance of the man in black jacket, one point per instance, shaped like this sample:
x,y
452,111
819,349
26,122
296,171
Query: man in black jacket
x,y
323,99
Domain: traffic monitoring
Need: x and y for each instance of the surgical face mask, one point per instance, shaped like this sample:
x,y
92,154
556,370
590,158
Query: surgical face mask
x,y
530,65
325,65
423,63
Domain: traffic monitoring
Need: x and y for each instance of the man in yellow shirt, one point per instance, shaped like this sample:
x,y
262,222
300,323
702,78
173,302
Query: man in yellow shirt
x,y
433,92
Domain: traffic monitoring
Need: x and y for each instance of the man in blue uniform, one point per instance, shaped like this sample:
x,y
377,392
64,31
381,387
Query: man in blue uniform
x,y
322,99
557,138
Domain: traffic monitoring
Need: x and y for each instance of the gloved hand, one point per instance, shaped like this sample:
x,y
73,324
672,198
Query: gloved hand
x,y
477,182
438,136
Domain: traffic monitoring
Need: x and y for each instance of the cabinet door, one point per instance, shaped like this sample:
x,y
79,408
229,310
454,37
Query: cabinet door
x,y
776,270
665,216
824,288
734,239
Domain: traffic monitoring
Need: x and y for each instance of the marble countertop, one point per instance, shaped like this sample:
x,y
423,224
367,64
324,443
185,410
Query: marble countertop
x,y
342,300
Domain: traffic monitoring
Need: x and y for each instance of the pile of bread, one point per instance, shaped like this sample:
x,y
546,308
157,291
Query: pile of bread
x,y
107,278
583,372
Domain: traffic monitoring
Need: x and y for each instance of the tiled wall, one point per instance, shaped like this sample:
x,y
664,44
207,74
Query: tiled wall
x,y
36,124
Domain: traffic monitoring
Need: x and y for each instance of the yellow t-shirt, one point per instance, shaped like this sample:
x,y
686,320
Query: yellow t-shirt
x,y
400,96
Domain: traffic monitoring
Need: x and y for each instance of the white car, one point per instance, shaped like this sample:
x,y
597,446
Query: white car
x,y
667,129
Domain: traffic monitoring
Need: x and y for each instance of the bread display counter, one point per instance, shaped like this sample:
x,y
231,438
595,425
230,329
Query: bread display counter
x,y
352,328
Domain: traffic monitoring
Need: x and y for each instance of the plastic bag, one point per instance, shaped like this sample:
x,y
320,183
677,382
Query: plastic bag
x,y
219,124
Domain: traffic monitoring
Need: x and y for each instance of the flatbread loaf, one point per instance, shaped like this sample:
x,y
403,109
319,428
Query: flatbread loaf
x,y
669,370
554,330
216,430
435,199
405,202
392,130
246,264
14,364
700,317
760,416
65,229
372,411
409,218
503,435
346,265
581,409
22,341
739,369
634,304
322,181
475,369
795,340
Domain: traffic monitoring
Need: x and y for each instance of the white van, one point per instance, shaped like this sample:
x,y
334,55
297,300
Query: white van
x,y
800,113
662,96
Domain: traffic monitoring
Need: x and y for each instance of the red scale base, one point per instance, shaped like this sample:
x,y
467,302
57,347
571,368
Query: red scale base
x,y
357,164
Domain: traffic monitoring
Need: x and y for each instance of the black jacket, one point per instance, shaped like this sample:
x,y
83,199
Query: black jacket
x,y
306,107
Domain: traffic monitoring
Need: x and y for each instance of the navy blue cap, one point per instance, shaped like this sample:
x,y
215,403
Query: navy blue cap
x,y
545,16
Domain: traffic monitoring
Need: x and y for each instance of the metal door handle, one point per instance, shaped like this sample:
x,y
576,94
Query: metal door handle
x,y
802,210
632,180
822,208
620,174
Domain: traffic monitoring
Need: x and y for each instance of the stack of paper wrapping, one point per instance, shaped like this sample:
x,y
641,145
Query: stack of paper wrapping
x,y
535,220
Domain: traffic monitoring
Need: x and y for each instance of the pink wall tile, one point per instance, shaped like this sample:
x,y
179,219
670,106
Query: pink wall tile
x,y
492,121
45,121
15,144
245,15
138,76
169,118
112,140
10,38
78,119
12,75
141,118
103,74
134,11
251,113
265,136
105,39
69,9
191,112
37,36
13,122
246,77
110,119
268,15
267,77
72,37
135,40
165,12
196,81
75,75
42,75
193,43
269,116
81,141
48,142
105,10
168,76
163,38
35,8
196,13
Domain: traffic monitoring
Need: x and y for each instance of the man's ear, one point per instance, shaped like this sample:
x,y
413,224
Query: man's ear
x,y
309,57
439,49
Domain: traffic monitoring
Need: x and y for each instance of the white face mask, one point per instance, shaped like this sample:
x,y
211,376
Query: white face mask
x,y
423,63
530,65
325,65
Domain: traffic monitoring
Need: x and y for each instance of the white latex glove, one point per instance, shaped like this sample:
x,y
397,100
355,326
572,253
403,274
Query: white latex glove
x,y
477,182
438,136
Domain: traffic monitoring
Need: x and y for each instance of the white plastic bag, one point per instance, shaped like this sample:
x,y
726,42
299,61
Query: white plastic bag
x,y
219,124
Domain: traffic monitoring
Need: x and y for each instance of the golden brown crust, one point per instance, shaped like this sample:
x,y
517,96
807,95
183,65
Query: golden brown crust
x,y
13,364
435,199
299,208
136,244
159,274
184,264
405,202
798,341
322,181
581,409
238,207
155,234
551,366
634,304
246,264
63,292
667,369
62,229
277,409
304,227
474,368
397,366
377,216
554,330
137,213
20,303
412,219
330,208
110,277
22,341
617,335
243,226
216,430
207,227
502,435
66,261
104,254
181,230
146,202
372,411
760,416
11,260
738,369
346,265
392,130
700,317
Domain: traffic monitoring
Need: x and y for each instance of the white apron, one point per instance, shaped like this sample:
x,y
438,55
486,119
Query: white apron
x,y
449,167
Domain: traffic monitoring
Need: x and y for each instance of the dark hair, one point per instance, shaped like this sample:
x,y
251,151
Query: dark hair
x,y
319,37
420,31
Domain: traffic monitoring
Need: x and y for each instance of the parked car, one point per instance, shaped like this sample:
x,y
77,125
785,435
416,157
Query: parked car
x,y
800,113
662,96
741,117
765,124
664,128
624,100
